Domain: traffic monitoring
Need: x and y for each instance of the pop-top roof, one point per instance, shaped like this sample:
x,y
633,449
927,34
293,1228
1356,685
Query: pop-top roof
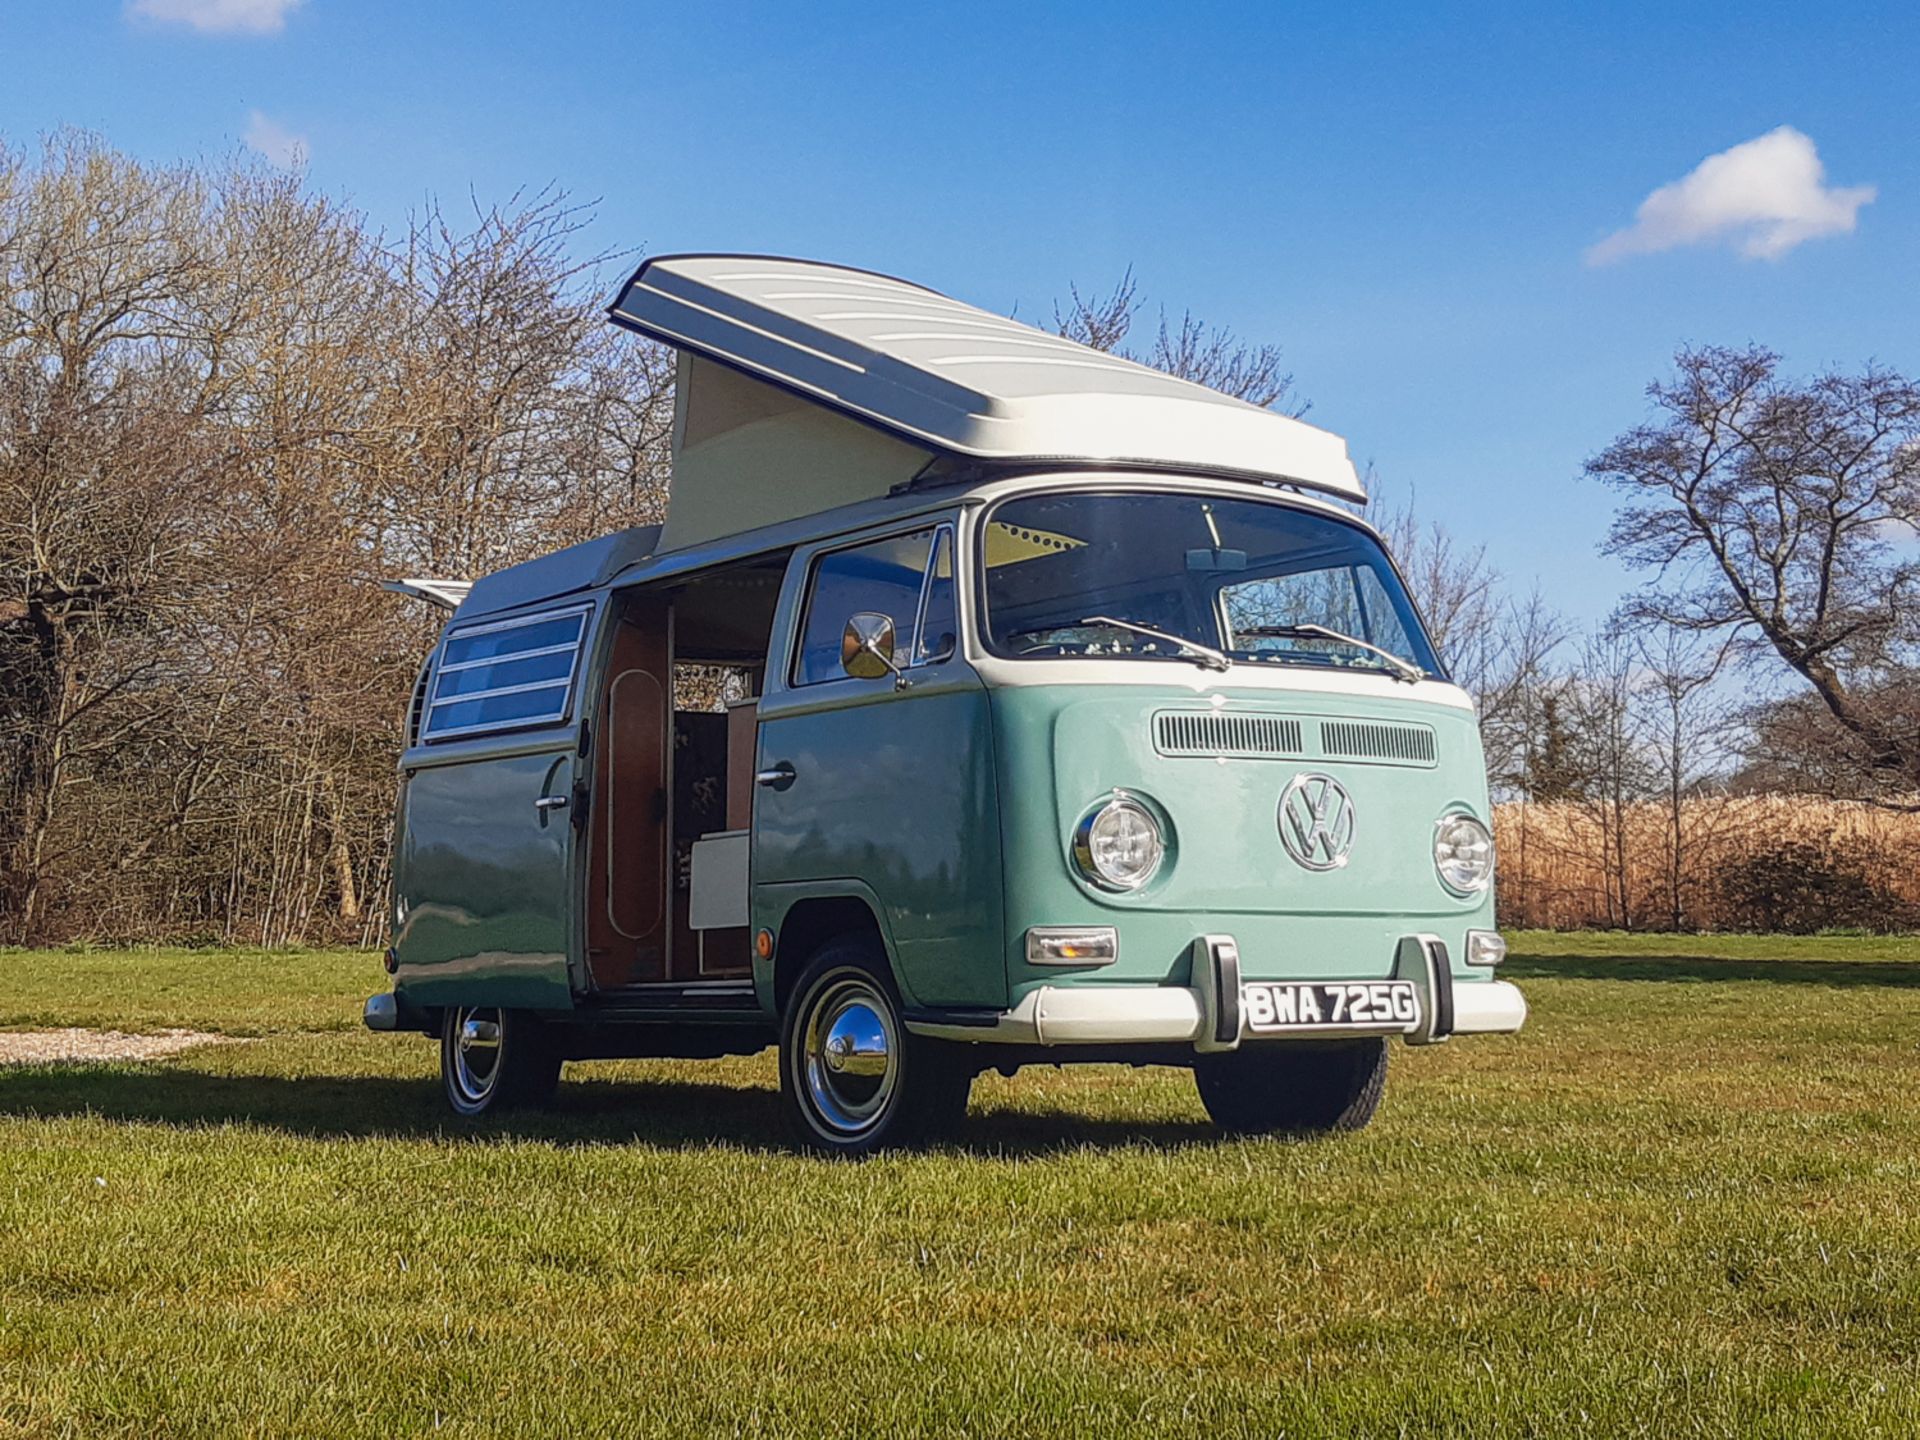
x,y
957,379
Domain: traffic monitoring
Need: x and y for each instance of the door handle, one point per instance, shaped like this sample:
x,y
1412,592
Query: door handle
x,y
778,777
552,802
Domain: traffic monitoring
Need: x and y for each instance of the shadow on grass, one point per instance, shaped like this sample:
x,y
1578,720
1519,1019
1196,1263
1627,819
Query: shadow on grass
x,y
665,1115
1837,973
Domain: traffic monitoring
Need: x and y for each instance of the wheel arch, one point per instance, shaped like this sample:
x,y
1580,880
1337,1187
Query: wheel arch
x,y
814,918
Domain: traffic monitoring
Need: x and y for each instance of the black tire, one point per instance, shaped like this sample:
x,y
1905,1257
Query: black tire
x,y
520,1067
1295,1087
853,1079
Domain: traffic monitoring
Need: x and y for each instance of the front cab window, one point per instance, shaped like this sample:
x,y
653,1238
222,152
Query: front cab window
x,y
1085,575
906,578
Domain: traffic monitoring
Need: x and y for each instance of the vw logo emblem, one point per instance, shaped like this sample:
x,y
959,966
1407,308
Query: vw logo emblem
x,y
1316,821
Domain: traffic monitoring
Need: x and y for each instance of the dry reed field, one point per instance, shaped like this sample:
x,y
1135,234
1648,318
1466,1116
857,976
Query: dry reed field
x,y
1782,863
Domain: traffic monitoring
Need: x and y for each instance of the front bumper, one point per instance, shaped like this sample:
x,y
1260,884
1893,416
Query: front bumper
x,y
1208,1016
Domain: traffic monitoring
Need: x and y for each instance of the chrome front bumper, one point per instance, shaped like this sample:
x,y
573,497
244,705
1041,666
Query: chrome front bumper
x,y
382,1013
1201,1015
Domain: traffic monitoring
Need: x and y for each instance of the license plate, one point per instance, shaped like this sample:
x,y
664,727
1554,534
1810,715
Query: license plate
x,y
1271,1006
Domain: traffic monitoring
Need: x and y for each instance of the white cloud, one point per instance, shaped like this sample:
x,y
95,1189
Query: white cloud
x,y
250,17
1764,197
278,144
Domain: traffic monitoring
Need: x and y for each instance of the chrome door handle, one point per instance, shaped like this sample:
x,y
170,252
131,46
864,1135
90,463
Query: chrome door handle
x,y
777,777
551,802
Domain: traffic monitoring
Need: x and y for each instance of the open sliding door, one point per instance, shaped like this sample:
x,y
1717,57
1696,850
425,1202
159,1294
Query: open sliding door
x,y
628,913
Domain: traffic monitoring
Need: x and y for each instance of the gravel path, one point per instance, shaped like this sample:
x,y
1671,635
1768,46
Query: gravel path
x,y
79,1047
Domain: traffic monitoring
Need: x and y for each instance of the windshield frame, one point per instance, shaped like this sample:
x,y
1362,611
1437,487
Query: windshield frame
x,y
1170,486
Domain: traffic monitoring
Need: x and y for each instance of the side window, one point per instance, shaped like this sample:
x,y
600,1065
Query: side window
x,y
939,620
506,674
886,577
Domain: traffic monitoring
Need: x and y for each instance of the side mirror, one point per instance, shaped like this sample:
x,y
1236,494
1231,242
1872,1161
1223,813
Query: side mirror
x,y
866,647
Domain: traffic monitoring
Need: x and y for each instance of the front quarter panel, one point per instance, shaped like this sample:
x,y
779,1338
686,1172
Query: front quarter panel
x,y
1064,748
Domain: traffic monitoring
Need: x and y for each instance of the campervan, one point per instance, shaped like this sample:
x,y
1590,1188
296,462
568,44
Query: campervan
x,y
984,700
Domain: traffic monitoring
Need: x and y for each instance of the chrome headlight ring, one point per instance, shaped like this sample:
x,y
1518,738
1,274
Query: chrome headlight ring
x,y
1463,854
1119,845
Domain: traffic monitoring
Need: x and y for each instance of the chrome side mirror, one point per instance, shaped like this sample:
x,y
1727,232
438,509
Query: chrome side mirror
x,y
866,647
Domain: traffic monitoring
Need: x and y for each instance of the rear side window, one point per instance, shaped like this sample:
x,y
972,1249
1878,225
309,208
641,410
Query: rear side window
x,y
506,674
885,577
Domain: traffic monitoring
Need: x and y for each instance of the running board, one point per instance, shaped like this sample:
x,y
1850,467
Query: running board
x,y
717,1001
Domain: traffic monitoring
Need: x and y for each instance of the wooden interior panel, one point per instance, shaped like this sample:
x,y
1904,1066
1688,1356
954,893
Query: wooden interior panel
x,y
627,862
631,819
742,732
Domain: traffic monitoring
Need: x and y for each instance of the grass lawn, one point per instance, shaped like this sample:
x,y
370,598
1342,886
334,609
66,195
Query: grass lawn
x,y
1685,1201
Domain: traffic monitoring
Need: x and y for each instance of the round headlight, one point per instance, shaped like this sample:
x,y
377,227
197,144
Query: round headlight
x,y
1463,854
1118,846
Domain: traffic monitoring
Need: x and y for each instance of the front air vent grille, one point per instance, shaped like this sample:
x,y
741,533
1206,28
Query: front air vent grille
x,y
1381,744
1206,733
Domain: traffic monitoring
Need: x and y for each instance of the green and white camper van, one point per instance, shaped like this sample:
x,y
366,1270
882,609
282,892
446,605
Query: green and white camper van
x,y
984,700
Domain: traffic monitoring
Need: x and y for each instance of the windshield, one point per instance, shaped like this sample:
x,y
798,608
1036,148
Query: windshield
x,y
1259,583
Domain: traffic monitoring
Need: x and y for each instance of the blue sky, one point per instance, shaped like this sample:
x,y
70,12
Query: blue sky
x,y
1400,195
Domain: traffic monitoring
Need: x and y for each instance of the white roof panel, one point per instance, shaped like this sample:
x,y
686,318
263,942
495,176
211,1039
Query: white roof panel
x,y
960,379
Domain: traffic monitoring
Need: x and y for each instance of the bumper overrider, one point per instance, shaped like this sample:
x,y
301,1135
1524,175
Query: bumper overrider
x,y
1208,1013
388,1012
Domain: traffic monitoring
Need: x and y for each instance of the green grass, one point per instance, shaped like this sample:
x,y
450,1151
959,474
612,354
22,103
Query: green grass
x,y
1686,1201
235,992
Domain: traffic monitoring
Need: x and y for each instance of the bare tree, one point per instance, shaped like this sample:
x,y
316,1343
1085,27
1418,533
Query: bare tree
x,y
1499,646
103,472
1189,348
1614,772
228,409
1686,728
1779,514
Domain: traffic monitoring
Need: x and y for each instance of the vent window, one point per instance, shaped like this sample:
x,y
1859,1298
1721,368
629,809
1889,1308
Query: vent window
x,y
506,675
1387,744
1202,732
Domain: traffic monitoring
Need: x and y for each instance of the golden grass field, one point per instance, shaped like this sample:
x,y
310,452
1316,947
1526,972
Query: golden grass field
x,y
1761,862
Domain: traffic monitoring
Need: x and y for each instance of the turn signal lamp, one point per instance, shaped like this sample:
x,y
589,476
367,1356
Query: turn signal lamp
x,y
1073,945
1485,947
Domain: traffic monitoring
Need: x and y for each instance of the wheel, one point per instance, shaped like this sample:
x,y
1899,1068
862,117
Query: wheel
x,y
1297,1086
492,1059
852,1077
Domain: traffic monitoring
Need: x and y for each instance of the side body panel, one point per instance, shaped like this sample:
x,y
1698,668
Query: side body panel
x,y
896,793
484,886
487,883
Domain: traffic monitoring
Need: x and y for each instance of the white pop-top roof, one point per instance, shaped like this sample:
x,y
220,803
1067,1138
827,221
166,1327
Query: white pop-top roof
x,y
963,380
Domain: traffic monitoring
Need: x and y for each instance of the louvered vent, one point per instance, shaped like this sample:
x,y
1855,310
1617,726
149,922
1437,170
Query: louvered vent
x,y
1386,744
1207,732
416,706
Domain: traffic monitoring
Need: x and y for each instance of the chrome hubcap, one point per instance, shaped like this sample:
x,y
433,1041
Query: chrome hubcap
x,y
476,1053
850,1055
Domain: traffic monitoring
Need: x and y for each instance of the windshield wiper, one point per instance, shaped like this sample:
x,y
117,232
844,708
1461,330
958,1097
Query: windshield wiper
x,y
1208,656
1401,670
